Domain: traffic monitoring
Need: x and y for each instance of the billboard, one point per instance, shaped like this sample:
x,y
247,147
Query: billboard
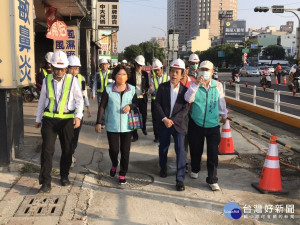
x,y
17,67
225,14
234,31
107,14
70,45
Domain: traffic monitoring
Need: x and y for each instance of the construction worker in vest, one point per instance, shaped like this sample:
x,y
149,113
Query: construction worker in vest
x,y
193,65
74,67
157,77
59,113
44,71
208,108
101,79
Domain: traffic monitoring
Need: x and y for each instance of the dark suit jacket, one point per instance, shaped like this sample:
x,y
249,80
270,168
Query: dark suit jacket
x,y
163,106
145,82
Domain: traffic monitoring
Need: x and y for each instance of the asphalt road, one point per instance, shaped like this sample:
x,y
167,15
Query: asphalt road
x,y
255,81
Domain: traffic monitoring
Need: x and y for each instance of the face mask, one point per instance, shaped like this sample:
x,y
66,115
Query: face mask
x,y
194,67
205,74
121,79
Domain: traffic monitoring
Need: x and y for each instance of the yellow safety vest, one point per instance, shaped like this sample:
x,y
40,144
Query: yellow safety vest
x,y
45,72
165,77
64,99
79,77
101,80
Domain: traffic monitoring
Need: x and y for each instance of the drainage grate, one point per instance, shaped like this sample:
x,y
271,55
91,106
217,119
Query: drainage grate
x,y
42,206
134,180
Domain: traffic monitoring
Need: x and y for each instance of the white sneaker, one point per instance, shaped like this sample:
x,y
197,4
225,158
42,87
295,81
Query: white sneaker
x,y
214,187
194,175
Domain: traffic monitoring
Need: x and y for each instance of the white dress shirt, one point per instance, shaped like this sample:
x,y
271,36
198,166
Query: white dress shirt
x,y
173,94
138,88
193,88
75,98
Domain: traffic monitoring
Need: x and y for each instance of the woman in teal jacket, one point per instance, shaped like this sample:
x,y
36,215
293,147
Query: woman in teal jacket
x,y
117,100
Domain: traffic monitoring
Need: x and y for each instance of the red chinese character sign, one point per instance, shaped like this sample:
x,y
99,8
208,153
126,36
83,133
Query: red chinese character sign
x,y
57,29
70,45
16,44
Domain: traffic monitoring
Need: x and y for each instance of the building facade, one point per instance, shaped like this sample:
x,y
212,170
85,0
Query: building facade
x,y
179,14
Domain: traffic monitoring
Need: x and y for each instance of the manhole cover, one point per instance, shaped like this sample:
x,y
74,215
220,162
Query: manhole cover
x,y
42,205
134,180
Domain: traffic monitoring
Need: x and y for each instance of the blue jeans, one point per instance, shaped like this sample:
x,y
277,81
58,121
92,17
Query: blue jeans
x,y
164,143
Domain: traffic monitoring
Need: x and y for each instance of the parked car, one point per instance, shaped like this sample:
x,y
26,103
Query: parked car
x,y
271,69
249,71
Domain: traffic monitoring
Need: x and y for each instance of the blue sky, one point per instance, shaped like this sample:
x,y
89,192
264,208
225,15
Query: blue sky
x,y
138,17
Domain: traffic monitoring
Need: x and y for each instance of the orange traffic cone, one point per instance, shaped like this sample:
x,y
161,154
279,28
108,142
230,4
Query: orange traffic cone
x,y
276,80
284,79
226,144
270,181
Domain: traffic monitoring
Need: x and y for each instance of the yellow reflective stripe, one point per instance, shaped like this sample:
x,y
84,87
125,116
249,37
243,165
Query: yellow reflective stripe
x,y
50,93
45,72
65,94
79,77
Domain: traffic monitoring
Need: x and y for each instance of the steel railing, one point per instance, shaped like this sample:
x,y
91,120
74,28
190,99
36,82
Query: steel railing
x,y
276,100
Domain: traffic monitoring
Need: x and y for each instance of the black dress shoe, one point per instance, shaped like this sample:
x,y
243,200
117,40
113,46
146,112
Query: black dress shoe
x,y
163,172
134,139
145,132
156,140
180,186
64,181
46,188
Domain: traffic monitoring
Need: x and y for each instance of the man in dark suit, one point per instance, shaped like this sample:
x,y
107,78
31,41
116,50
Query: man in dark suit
x,y
171,111
140,80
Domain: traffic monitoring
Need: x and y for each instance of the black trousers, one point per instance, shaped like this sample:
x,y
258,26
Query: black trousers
x,y
51,127
76,137
142,105
278,77
99,95
119,142
196,136
155,121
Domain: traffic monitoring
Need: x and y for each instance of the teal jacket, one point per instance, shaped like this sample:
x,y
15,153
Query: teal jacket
x,y
115,120
205,109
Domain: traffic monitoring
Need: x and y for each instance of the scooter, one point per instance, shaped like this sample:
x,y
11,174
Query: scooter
x,y
265,79
236,78
30,93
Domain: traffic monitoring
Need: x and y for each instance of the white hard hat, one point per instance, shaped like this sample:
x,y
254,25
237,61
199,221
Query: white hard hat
x,y
156,64
178,63
207,64
124,61
140,60
48,56
59,60
194,58
102,61
115,64
74,60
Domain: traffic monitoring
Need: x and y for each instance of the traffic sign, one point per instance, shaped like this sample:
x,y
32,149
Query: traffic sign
x,y
245,54
221,54
245,50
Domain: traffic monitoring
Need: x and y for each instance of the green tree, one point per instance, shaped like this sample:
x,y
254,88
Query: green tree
x,y
152,50
274,52
131,52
